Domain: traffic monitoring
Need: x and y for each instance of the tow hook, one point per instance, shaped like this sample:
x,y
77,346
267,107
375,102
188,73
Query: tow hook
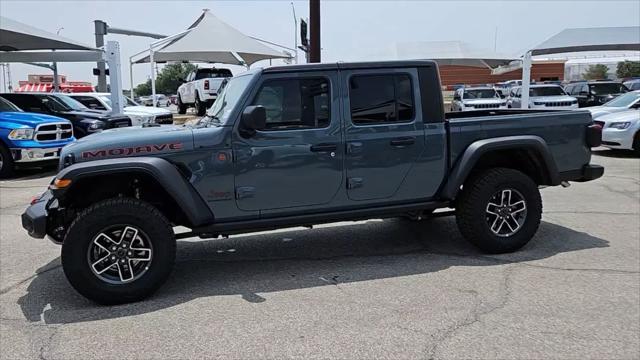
x,y
565,184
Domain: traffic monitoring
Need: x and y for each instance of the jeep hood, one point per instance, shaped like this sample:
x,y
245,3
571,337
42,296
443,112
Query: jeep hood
x,y
131,141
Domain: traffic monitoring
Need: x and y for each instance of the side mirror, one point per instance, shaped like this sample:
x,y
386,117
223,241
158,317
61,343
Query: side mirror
x,y
253,118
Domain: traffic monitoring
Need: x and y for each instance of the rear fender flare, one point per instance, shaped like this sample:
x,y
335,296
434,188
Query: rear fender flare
x,y
474,152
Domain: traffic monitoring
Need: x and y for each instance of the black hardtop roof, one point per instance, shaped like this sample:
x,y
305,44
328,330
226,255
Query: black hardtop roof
x,y
351,65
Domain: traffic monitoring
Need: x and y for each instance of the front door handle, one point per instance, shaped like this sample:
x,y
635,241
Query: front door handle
x,y
324,147
403,141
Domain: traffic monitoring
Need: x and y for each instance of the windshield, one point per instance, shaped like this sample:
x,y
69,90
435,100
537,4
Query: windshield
x,y
607,88
547,91
227,99
480,94
127,100
625,100
69,102
6,105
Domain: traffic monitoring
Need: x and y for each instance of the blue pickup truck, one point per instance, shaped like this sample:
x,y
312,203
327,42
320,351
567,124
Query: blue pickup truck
x,y
29,138
298,146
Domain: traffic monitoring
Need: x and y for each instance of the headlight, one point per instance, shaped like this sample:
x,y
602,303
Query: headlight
x,y
620,125
142,118
96,125
21,134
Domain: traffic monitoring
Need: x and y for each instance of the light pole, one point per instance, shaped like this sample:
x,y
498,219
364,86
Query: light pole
x,y
295,31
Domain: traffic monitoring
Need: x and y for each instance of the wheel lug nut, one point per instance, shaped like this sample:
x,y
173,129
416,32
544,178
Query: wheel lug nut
x,y
129,253
122,261
113,258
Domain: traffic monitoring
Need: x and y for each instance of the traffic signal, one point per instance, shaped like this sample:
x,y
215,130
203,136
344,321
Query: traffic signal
x,y
303,33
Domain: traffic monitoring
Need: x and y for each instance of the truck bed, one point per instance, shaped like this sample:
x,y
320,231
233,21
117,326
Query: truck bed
x,y
563,131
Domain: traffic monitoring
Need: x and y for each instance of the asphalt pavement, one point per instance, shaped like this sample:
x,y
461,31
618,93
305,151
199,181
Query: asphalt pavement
x,y
375,289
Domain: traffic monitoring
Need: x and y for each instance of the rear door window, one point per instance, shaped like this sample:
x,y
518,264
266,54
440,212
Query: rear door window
x,y
380,99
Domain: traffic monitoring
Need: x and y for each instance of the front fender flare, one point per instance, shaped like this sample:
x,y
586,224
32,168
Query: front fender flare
x,y
161,170
474,152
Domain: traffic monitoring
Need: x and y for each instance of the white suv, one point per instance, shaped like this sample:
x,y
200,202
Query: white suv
x,y
477,98
543,97
200,89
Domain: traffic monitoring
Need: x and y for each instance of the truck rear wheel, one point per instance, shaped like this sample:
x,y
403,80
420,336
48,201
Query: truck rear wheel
x,y
499,210
201,107
118,251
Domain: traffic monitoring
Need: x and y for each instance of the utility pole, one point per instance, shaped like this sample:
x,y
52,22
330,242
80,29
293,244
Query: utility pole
x,y
314,20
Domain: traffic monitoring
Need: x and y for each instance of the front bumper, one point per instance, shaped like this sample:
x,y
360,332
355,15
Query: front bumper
x,y
34,219
27,155
618,139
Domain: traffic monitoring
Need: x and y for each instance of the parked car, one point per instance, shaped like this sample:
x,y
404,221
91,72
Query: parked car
x,y
621,130
630,100
85,121
633,84
138,114
30,138
280,148
200,89
161,100
543,97
474,98
595,93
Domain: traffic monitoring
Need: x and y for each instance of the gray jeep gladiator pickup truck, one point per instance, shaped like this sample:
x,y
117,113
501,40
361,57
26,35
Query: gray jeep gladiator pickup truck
x,y
302,145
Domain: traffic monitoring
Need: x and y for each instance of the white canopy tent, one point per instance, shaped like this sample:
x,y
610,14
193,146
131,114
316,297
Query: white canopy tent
x,y
452,53
20,43
208,39
579,40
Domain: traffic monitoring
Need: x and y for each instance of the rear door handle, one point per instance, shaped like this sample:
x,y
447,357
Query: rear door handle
x,y
403,141
324,147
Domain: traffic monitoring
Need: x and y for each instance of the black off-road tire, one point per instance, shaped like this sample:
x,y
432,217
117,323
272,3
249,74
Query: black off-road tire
x,y
636,144
182,108
91,222
7,167
471,207
201,107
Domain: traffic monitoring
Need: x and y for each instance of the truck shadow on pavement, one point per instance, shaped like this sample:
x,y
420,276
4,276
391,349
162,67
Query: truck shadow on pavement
x,y
252,266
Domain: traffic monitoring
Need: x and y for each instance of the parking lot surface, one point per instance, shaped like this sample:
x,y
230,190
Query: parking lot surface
x,y
375,289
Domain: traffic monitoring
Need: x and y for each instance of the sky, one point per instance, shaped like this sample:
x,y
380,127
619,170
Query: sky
x,y
351,30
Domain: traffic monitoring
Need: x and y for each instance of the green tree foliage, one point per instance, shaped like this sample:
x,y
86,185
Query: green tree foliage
x,y
167,81
627,69
596,72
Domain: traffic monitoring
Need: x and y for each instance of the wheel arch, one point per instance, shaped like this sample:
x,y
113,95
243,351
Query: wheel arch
x,y
154,180
529,154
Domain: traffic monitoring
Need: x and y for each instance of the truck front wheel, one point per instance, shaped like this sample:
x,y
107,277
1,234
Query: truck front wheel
x,y
182,107
499,210
118,251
